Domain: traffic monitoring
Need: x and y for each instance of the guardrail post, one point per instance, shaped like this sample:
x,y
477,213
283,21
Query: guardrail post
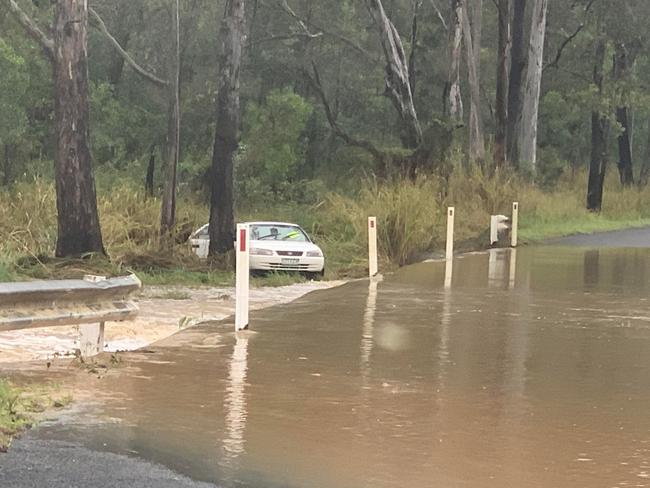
x,y
91,336
451,211
91,339
242,277
373,266
515,224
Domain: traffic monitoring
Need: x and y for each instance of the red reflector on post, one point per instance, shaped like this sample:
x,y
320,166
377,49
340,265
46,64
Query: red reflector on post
x,y
372,224
242,240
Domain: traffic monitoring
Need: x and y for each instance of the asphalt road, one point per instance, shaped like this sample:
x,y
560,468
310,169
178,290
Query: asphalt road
x,y
33,463
630,238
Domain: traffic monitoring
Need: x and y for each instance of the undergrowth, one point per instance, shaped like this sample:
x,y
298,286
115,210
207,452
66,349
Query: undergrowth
x,y
20,406
411,216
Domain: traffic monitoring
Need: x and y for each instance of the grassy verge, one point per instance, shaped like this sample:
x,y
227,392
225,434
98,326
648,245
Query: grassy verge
x,y
20,406
411,215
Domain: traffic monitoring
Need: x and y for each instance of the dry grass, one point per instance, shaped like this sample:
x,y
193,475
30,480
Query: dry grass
x,y
411,216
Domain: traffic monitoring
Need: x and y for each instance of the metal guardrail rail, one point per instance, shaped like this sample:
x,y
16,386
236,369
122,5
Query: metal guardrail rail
x,y
88,303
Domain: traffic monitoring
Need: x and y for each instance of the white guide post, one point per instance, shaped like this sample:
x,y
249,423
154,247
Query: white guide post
x,y
373,266
242,277
515,224
494,229
451,211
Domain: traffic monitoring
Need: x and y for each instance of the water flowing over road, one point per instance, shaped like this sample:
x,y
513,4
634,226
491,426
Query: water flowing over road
x,y
512,368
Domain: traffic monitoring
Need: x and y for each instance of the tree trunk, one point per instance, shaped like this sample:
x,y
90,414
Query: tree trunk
x,y
530,110
625,166
168,204
453,101
517,65
599,131
151,169
501,101
476,140
78,222
414,44
398,85
226,140
644,175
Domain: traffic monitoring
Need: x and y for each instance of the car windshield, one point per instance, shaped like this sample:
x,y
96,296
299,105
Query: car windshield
x,y
266,232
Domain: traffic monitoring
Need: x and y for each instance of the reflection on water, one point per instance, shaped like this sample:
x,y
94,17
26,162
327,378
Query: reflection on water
x,y
235,402
449,273
513,268
367,339
530,370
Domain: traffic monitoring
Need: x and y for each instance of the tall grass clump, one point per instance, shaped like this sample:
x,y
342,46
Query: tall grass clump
x,y
410,218
27,220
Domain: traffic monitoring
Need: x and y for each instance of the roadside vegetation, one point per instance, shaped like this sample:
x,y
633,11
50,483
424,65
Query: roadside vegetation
x,y
19,408
411,216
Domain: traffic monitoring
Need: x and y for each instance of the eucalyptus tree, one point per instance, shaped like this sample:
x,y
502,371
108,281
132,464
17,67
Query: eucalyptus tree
x,y
226,139
65,45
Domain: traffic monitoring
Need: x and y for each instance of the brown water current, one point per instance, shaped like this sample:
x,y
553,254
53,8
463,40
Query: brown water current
x,y
527,368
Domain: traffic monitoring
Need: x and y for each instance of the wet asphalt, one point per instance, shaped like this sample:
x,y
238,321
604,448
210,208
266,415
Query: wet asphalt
x,y
631,238
33,463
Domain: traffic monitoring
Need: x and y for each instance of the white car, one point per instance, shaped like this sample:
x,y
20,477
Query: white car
x,y
274,246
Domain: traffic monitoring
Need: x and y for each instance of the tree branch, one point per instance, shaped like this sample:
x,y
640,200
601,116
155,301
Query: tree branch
x,y
127,57
568,40
31,28
439,15
285,6
379,156
304,23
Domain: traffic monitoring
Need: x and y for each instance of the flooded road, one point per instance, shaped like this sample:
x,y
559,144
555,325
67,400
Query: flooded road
x,y
525,368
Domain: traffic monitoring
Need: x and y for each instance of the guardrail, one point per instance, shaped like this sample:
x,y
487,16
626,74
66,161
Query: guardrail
x,y
88,303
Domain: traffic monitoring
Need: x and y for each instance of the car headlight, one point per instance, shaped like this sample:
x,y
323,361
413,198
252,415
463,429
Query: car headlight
x,y
314,254
256,251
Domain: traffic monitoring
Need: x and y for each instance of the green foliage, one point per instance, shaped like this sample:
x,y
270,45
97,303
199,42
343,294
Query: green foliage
x,y
120,130
5,273
13,88
273,145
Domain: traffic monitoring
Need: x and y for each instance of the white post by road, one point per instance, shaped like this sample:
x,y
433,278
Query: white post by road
x,y
242,277
373,265
515,224
450,233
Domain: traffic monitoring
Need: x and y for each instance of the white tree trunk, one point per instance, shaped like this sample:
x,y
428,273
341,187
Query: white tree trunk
x,y
530,111
476,141
453,97
398,85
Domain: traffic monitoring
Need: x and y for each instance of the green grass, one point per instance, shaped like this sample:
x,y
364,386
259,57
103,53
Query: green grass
x,y
6,274
180,277
20,406
533,230
276,279
12,421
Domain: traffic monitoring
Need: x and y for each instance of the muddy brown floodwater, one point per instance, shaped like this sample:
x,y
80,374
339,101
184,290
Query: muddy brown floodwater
x,y
529,369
